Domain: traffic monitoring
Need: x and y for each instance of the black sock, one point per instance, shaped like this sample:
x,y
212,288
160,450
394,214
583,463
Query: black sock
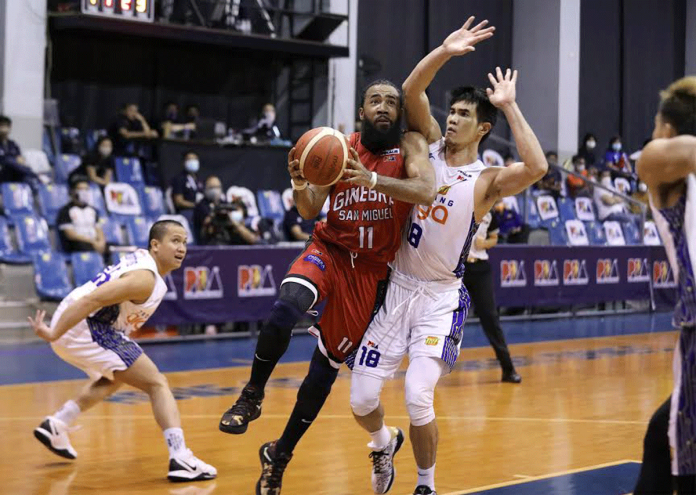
x,y
655,471
272,344
310,399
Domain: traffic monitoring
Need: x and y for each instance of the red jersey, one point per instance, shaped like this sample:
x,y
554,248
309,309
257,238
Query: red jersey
x,y
365,221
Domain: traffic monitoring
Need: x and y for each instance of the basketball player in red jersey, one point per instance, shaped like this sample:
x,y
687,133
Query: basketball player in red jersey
x,y
343,263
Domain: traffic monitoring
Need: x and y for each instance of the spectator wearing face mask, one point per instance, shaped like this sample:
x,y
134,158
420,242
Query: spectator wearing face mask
x,y
577,186
129,130
77,221
609,206
13,167
174,125
186,187
98,166
219,223
615,159
587,150
512,228
265,128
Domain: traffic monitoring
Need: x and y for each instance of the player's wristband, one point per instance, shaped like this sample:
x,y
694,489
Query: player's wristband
x,y
296,187
373,180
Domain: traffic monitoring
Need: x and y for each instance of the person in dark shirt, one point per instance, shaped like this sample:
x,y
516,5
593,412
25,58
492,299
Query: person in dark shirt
x,y
186,187
551,182
77,222
586,151
98,166
219,223
13,167
174,125
295,227
129,130
510,223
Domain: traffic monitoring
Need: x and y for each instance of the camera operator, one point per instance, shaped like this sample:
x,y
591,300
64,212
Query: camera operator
x,y
218,223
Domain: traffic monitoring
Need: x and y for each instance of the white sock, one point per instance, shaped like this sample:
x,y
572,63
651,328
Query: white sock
x,y
175,441
427,477
380,438
68,413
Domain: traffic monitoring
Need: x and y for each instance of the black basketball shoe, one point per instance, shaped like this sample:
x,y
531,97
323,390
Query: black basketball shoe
x,y
424,490
272,468
247,408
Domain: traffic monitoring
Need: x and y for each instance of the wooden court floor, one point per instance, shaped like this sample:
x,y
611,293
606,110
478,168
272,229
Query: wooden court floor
x,y
582,403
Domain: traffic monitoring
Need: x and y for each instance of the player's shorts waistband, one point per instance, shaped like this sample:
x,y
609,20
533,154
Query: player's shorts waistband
x,y
407,282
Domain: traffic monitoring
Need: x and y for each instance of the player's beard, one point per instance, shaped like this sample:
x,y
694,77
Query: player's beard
x,y
377,140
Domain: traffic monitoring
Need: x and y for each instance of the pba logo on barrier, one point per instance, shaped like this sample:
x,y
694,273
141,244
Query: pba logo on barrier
x,y
662,275
637,270
255,281
512,274
608,271
200,282
575,272
545,273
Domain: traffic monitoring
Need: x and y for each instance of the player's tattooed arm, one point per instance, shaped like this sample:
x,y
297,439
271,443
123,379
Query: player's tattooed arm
x,y
309,199
136,286
666,161
508,181
419,185
416,104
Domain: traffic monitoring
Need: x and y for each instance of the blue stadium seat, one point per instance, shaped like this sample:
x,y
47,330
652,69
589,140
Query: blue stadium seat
x,y
112,231
97,201
595,232
138,229
8,253
557,233
117,256
566,209
152,202
92,136
52,198
32,234
17,199
51,276
86,266
631,234
270,205
128,170
533,219
64,166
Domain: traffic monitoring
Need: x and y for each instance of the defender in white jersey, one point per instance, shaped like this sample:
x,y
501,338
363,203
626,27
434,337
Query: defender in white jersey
x,y
426,303
90,331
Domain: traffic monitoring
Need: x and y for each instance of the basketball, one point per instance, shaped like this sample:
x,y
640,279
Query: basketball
x,y
323,153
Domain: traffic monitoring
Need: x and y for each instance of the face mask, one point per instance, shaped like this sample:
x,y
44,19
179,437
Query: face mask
x,y
105,150
606,181
591,145
192,166
580,168
213,193
643,187
237,216
83,195
269,116
616,146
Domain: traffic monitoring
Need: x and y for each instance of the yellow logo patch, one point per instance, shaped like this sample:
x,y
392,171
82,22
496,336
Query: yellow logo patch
x,y
431,340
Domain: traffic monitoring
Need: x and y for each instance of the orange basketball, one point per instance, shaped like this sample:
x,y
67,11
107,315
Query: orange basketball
x,y
323,153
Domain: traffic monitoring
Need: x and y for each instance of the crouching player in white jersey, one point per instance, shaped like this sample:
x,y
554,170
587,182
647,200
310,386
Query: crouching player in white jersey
x,y
89,330
426,303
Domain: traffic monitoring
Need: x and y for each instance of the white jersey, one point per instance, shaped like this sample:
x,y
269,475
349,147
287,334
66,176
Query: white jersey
x,y
438,238
127,316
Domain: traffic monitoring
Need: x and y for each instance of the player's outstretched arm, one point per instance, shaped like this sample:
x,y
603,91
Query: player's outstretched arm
x,y
665,161
417,188
416,104
134,286
518,176
309,199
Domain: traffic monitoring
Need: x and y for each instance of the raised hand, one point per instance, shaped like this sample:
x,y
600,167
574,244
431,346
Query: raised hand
x,y
503,92
40,328
462,41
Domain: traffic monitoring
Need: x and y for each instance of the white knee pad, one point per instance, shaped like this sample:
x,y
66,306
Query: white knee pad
x,y
364,394
421,378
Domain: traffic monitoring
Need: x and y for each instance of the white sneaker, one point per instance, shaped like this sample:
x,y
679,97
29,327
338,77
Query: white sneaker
x,y
53,433
187,467
383,471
